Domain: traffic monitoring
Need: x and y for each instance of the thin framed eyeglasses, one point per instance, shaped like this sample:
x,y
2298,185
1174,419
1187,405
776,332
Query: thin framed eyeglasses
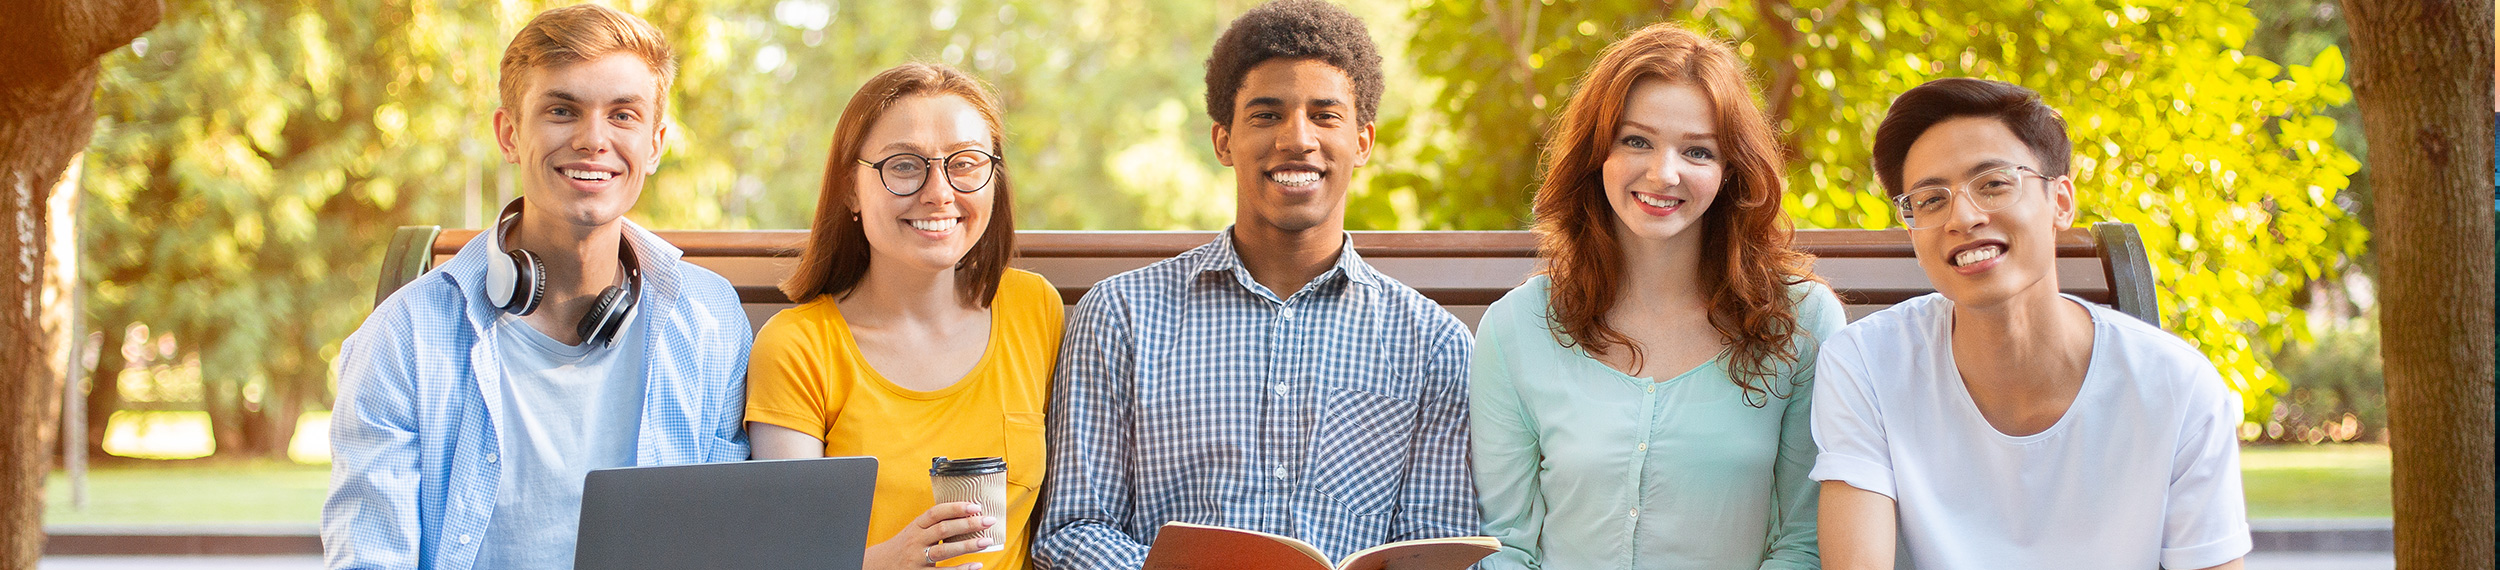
x,y
968,171
1926,207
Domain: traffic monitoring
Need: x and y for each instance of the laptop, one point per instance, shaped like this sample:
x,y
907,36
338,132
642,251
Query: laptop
x,y
759,515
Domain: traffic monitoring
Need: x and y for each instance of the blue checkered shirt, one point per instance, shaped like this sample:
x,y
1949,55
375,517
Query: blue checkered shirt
x,y
1188,392
414,435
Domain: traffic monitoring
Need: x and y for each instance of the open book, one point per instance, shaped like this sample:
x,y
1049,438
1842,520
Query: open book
x,y
1184,546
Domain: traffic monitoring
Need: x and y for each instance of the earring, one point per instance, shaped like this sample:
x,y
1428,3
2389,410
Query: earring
x,y
854,216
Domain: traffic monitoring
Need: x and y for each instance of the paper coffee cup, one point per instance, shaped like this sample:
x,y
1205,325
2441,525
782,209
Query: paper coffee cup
x,y
978,479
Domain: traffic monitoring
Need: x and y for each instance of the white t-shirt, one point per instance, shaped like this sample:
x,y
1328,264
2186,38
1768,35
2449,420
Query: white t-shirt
x,y
2143,469
565,410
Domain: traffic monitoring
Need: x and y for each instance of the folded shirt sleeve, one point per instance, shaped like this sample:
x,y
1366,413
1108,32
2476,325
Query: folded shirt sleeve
x,y
2207,523
1848,422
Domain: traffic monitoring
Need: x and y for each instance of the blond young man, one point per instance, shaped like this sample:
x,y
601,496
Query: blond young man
x,y
566,338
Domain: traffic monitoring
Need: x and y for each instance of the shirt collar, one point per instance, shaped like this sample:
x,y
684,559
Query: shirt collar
x,y
1222,256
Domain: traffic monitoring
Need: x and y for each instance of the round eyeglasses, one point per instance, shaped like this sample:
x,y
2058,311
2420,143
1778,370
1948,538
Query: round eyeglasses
x,y
1926,207
968,171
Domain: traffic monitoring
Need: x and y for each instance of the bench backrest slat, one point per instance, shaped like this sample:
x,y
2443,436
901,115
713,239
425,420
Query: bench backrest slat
x,y
1463,271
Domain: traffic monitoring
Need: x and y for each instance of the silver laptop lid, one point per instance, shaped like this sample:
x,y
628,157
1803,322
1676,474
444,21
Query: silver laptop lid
x,y
758,515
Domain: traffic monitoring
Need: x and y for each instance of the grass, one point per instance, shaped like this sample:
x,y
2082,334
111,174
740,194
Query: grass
x,y
2316,481
2287,481
191,492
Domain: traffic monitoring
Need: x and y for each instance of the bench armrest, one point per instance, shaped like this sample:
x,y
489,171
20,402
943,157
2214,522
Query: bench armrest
x,y
410,255
2130,271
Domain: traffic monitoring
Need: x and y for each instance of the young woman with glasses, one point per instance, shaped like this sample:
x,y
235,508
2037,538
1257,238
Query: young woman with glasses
x,y
912,339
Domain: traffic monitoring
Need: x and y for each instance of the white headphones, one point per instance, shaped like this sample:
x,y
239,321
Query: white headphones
x,y
518,281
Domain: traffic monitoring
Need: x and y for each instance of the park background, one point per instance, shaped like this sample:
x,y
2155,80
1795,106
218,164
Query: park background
x,y
251,158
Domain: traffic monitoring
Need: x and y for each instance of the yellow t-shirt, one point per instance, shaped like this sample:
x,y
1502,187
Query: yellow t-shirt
x,y
807,375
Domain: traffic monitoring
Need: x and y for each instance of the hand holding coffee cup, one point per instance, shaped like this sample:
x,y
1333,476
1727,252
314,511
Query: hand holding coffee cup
x,y
981,480
919,544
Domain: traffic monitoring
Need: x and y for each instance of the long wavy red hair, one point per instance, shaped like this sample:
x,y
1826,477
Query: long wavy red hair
x,y
1748,261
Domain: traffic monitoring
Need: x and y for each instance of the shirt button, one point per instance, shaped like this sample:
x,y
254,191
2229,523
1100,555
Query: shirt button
x,y
1282,388
491,458
1652,389
1285,313
1644,447
464,539
1636,513
1280,473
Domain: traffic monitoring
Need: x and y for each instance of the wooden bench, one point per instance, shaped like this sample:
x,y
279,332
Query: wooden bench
x,y
1463,271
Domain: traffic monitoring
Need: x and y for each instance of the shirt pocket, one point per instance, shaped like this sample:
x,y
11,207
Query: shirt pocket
x,y
1359,457
1027,453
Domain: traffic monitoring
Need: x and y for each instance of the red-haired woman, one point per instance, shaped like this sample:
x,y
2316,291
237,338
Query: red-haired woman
x,y
1642,403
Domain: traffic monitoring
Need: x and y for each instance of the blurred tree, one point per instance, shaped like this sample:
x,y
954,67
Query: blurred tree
x,y
2221,159
2337,391
250,160
2300,30
252,157
1101,101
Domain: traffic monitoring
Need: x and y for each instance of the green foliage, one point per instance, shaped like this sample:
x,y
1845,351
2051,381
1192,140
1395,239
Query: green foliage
x,y
249,161
1104,127
249,165
252,157
2335,390
2301,30
2222,160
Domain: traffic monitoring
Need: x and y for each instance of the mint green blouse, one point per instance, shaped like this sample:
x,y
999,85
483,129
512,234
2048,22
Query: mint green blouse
x,y
1582,466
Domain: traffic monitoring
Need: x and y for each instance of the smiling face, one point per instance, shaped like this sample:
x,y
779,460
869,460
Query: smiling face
x,y
586,135
931,229
1984,259
1293,145
1664,165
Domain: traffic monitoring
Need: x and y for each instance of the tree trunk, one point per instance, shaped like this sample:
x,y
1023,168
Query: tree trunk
x,y
2420,67
278,413
104,388
46,117
29,393
223,400
249,430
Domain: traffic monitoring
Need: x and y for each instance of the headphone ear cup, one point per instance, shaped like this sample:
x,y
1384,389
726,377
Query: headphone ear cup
x,y
499,279
605,317
529,284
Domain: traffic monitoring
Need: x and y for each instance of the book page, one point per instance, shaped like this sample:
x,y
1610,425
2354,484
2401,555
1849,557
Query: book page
x,y
1184,546
1455,553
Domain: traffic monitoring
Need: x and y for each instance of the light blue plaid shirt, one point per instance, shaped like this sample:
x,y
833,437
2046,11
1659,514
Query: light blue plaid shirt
x,y
1188,392
414,435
